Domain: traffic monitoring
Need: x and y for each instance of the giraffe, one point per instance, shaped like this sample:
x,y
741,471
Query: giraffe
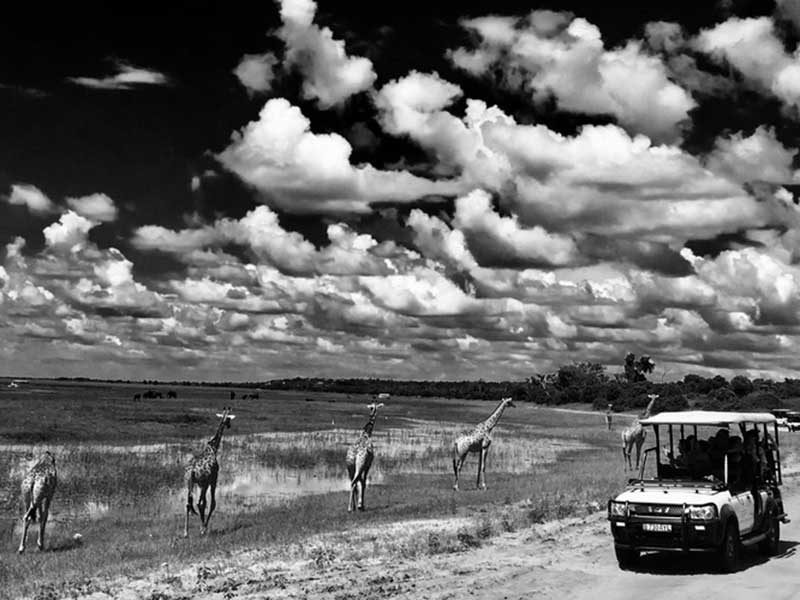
x,y
202,472
609,416
359,460
635,434
478,440
38,488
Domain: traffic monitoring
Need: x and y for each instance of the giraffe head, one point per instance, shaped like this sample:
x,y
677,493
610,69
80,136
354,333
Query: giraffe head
x,y
509,401
373,408
226,417
49,456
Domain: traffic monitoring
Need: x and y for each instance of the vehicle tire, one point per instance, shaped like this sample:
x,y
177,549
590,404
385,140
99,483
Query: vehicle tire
x,y
626,557
770,545
729,548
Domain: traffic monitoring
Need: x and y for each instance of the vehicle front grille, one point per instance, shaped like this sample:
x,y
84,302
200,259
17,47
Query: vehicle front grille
x,y
652,510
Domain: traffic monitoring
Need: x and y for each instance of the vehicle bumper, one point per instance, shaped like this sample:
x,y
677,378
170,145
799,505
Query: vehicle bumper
x,y
683,536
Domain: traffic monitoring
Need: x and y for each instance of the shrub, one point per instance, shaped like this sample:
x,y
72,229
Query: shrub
x,y
741,385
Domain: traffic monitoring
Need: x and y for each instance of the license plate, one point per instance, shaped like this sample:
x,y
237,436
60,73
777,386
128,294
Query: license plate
x,y
657,527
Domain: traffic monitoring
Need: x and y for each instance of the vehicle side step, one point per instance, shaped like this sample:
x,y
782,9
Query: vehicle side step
x,y
754,540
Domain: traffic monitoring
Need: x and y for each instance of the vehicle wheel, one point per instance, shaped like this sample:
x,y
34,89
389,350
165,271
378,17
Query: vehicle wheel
x,y
770,545
626,557
729,549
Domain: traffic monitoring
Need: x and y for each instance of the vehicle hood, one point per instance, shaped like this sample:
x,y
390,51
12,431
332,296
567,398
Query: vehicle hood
x,y
669,495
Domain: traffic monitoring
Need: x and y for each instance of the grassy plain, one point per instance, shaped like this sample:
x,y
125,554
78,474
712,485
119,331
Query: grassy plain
x,y
282,477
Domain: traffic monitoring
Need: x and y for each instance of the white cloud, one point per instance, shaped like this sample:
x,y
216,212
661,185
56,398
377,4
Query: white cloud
x,y
301,171
330,75
759,156
256,72
32,197
127,77
752,47
97,207
70,232
502,240
549,54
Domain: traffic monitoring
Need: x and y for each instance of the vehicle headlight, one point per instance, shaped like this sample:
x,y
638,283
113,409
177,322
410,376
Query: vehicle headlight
x,y
707,512
616,509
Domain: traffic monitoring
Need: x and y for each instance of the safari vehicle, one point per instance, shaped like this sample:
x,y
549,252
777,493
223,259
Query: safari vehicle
x,y
781,414
712,485
793,421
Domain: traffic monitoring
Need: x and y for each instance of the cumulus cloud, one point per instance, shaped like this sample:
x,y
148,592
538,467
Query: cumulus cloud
x,y
330,75
501,241
127,77
300,171
70,232
753,48
96,207
260,231
256,72
555,55
757,157
32,197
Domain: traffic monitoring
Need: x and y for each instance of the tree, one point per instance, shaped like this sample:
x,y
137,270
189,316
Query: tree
x,y
637,370
741,385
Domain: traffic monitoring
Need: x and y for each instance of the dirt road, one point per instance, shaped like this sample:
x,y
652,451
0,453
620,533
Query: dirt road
x,y
571,558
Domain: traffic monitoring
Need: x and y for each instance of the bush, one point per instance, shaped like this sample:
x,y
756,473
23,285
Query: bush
x,y
741,385
670,403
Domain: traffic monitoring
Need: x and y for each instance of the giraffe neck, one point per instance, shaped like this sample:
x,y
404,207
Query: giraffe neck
x,y
649,408
370,424
495,416
214,442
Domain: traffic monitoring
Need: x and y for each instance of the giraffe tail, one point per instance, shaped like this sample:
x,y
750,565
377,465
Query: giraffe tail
x,y
30,514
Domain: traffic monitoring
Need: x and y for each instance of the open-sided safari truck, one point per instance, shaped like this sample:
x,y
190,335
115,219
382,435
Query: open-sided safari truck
x,y
711,483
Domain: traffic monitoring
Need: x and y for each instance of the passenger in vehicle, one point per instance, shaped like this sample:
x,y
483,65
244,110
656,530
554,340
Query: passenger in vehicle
x,y
752,467
698,459
718,447
735,454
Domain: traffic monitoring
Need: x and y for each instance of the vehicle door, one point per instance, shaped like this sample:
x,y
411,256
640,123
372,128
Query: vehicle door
x,y
744,506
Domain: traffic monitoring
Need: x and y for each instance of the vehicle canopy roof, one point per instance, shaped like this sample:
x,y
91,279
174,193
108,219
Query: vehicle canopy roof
x,y
708,417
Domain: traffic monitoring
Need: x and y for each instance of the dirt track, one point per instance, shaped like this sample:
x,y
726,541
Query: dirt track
x,y
572,558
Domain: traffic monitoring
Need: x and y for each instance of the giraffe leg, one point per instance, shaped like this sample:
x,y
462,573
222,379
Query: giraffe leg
x,y
483,468
213,504
351,505
26,522
351,473
457,464
363,490
201,506
480,467
44,512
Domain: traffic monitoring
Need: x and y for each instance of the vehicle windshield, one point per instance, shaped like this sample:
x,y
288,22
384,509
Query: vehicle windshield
x,y
736,456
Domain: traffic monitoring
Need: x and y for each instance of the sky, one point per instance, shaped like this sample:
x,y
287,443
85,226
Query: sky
x,y
481,191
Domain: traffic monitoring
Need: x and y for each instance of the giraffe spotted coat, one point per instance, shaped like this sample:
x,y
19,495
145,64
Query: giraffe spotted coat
x,y
359,459
635,435
202,472
38,488
477,440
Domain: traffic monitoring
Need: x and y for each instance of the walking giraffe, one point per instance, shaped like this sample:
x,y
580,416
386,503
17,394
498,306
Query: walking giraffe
x,y
635,434
38,488
359,460
478,440
202,472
